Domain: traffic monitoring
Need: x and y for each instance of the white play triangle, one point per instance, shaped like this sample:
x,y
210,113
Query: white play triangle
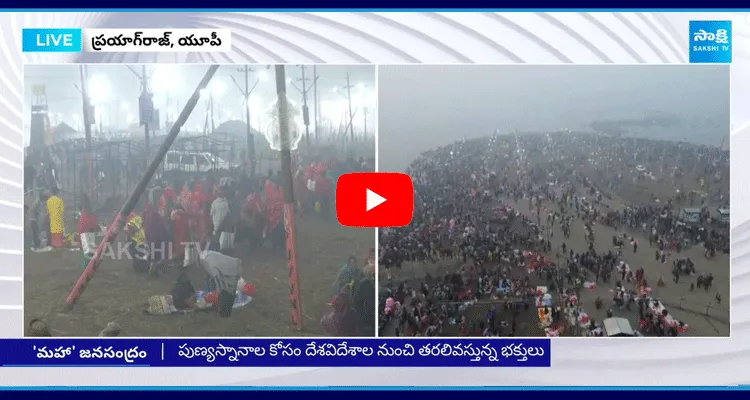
x,y
373,200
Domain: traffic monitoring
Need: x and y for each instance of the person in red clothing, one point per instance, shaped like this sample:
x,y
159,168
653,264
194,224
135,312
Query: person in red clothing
x,y
184,197
251,220
180,232
166,201
341,321
323,189
199,211
88,227
191,208
198,186
88,221
254,208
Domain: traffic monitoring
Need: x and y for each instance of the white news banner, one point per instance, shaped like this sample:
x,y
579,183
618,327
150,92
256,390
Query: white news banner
x,y
157,40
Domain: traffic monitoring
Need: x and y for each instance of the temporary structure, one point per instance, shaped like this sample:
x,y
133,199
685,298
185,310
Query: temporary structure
x,y
618,327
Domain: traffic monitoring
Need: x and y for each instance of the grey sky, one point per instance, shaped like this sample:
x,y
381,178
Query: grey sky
x,y
173,84
423,107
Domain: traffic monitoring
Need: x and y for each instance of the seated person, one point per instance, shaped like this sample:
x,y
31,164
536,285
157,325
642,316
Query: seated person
x,y
183,293
181,300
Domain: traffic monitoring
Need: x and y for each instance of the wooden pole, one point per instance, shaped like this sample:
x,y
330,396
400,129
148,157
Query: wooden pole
x,y
286,170
87,129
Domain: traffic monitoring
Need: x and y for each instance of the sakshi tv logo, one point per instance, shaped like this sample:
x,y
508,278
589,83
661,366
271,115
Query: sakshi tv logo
x,y
710,42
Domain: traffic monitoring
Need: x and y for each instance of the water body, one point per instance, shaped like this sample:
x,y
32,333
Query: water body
x,y
696,130
424,107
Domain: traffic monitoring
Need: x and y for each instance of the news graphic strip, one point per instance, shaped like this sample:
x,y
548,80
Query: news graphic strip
x,y
46,40
277,352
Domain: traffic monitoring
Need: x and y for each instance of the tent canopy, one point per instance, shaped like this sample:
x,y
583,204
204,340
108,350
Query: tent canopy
x,y
618,327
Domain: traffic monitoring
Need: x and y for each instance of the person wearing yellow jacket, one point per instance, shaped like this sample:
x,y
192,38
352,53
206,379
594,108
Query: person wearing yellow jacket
x,y
55,210
137,246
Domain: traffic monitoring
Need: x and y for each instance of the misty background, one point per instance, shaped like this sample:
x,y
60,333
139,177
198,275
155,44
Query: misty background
x,y
423,107
114,91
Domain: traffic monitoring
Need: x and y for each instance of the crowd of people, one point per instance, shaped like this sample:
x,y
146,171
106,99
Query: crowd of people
x,y
200,210
174,224
483,205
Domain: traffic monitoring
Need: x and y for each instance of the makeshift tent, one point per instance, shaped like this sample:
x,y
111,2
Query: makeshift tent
x,y
63,132
618,327
691,215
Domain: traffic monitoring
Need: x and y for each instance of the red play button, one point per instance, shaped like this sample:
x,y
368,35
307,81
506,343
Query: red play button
x,y
374,199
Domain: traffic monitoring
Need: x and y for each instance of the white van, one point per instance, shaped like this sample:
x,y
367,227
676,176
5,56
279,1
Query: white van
x,y
199,162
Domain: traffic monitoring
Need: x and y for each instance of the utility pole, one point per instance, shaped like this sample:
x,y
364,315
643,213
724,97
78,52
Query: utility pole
x,y
349,101
248,134
316,109
364,134
147,99
205,122
211,110
145,108
250,138
87,128
305,109
168,118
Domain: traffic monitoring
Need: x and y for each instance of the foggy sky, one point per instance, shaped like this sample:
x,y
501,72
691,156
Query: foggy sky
x,y
423,107
65,104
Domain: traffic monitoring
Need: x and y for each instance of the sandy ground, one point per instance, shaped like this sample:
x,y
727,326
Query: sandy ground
x,y
698,308
117,294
